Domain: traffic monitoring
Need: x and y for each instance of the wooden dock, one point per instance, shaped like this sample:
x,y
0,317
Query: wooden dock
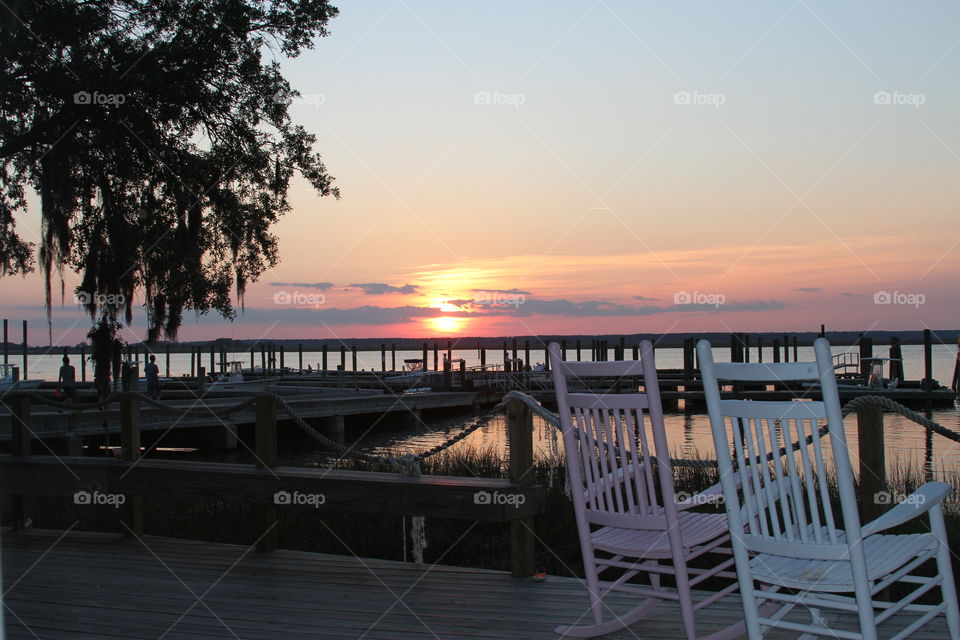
x,y
324,404
83,585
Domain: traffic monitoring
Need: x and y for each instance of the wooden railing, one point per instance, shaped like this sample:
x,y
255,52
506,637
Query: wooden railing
x,y
515,499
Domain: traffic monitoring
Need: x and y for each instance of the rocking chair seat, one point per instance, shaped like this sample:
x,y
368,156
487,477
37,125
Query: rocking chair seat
x,y
695,529
885,554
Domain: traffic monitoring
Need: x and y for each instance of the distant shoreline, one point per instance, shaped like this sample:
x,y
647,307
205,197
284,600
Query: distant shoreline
x,y
670,340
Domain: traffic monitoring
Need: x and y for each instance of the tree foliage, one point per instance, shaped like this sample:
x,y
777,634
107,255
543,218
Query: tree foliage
x,y
157,136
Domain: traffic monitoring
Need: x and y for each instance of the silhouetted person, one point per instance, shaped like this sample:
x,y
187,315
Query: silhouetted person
x,y
68,375
152,373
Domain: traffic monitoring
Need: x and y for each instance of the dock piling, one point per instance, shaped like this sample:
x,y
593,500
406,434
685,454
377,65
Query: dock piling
x,y
896,359
23,374
132,513
20,446
866,352
872,461
265,447
956,369
520,438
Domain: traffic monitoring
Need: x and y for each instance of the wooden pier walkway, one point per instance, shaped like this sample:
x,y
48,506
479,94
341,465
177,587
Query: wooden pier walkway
x,y
325,403
83,585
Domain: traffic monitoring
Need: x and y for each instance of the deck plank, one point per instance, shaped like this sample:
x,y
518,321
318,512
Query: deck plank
x,y
96,585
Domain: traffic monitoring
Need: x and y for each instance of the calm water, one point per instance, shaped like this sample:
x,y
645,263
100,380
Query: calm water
x,y
47,366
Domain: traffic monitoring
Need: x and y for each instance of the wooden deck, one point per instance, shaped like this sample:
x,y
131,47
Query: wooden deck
x,y
94,585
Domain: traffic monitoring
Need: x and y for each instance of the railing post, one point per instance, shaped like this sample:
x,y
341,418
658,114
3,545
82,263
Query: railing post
x,y
265,447
21,438
955,384
873,474
520,438
132,513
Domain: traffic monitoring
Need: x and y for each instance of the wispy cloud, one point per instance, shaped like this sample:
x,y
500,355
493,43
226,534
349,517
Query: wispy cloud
x,y
607,309
504,291
380,288
323,286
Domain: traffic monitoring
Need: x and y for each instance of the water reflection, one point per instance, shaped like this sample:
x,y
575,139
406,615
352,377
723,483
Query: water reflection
x,y
909,446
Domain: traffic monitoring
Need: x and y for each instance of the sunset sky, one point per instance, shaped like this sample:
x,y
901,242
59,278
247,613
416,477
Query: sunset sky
x,y
612,166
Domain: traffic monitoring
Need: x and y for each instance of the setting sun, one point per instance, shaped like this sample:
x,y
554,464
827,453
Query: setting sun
x,y
447,324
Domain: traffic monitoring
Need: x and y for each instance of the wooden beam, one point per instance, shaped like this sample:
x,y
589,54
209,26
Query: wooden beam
x,y
354,491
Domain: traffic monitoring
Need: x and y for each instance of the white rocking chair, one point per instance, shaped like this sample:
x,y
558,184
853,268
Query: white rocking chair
x,y
628,517
796,550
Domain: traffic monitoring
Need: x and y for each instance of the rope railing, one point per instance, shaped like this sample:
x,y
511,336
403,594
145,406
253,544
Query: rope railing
x,y
896,407
409,462
850,407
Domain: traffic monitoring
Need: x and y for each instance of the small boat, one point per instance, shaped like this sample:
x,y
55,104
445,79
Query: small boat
x,y
7,383
412,376
412,370
232,380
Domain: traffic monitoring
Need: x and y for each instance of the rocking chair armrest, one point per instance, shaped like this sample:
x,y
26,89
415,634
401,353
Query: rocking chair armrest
x,y
917,503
